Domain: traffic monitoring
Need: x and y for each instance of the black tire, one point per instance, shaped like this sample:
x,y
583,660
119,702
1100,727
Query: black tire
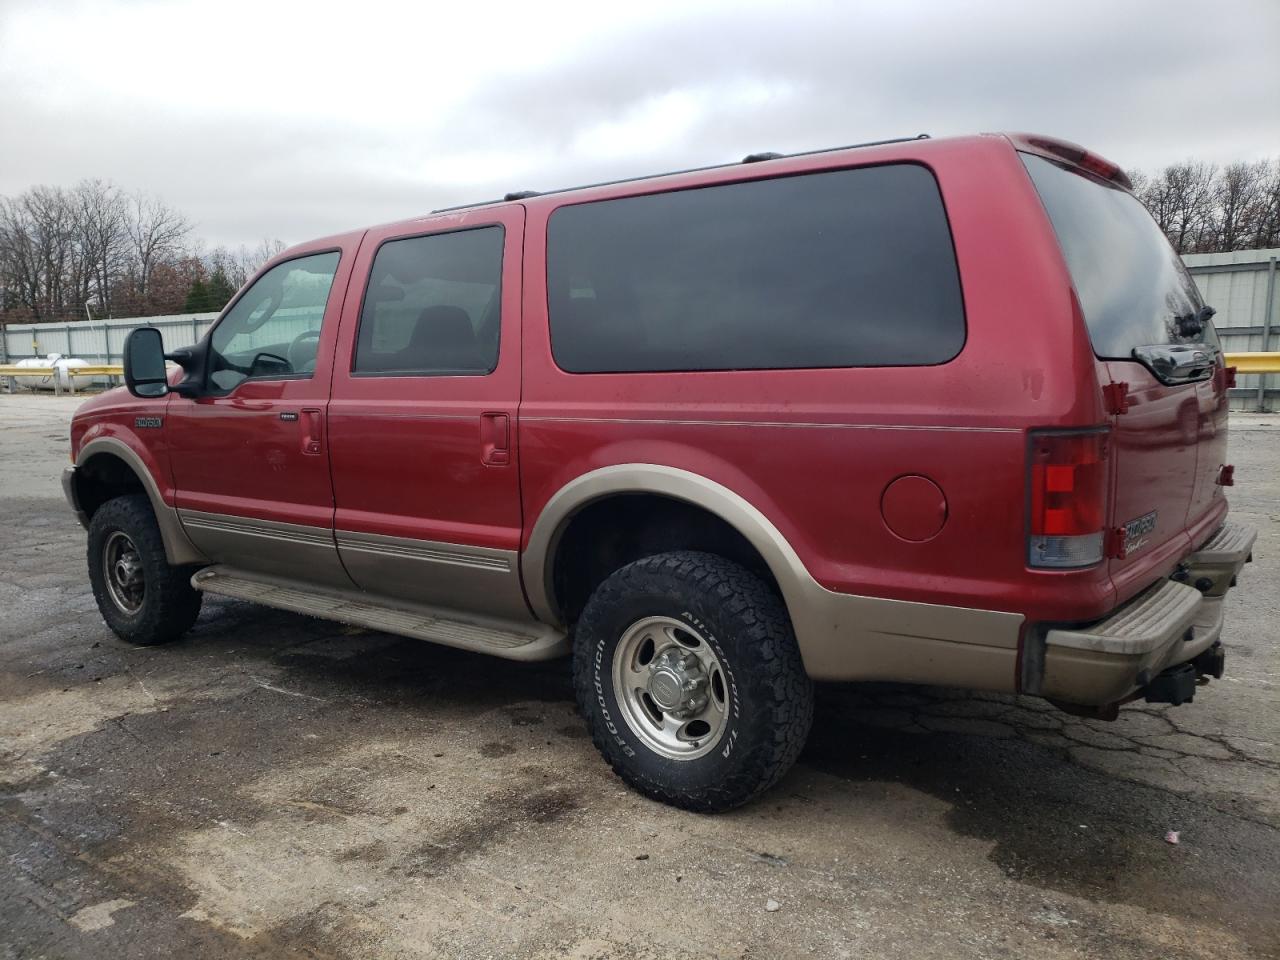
x,y
168,604
746,626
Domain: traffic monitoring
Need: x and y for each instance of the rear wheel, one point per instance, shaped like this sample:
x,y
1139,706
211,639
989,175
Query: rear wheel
x,y
142,598
687,670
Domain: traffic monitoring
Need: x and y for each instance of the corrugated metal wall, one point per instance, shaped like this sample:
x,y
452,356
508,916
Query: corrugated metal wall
x,y
99,341
1241,286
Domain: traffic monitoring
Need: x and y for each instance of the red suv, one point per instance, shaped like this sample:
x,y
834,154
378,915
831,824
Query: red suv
x,y
934,411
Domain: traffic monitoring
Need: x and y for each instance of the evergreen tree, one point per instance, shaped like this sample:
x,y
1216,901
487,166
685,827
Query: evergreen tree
x,y
198,299
220,289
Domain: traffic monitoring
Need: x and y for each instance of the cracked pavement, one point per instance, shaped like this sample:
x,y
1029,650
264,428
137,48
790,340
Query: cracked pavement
x,y
280,786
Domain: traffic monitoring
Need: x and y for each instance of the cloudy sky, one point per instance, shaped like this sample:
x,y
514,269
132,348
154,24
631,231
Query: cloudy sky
x,y
261,118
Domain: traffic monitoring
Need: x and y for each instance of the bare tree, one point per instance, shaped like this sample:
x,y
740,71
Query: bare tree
x,y
1181,200
37,250
266,249
157,233
240,264
102,226
1266,227
20,277
1238,195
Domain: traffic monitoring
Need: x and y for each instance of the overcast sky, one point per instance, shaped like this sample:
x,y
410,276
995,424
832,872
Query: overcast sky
x,y
293,120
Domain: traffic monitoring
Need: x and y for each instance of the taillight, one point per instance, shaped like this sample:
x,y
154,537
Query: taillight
x,y
1068,481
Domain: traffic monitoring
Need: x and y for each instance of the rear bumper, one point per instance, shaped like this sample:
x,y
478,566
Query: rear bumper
x,y
1171,623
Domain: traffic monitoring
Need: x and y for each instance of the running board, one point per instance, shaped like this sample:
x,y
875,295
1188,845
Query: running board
x,y
509,639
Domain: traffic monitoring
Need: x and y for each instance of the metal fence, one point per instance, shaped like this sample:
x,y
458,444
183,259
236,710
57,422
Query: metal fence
x,y
1240,285
98,341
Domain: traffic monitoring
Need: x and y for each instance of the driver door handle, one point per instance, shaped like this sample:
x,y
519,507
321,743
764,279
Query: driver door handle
x,y
312,431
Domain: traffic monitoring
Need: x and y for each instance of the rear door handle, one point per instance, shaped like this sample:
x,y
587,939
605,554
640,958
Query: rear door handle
x,y
495,439
312,432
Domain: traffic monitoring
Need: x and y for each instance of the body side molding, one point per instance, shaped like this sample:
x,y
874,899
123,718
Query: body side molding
x,y
476,580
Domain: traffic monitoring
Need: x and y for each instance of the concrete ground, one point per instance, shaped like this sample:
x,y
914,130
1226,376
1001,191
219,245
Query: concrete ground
x,y
279,786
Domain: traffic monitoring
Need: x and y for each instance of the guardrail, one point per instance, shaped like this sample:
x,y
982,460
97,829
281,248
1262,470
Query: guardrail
x,y
1254,362
11,371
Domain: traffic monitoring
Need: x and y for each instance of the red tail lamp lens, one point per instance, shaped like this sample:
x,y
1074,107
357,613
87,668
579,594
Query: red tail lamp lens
x,y
1068,479
1068,483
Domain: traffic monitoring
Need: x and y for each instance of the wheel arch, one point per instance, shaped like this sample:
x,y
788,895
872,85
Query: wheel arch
x,y
107,467
540,557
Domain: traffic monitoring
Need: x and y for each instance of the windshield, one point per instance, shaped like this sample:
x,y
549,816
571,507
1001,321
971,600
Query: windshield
x,y
1132,287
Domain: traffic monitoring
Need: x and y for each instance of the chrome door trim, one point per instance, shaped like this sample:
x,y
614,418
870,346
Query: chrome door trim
x,y
432,551
254,527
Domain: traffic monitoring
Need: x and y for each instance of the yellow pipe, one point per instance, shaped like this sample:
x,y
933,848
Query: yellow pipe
x,y
102,370
1254,362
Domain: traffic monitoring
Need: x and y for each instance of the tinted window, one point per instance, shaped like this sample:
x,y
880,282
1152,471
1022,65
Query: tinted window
x,y
273,330
1132,286
840,269
433,306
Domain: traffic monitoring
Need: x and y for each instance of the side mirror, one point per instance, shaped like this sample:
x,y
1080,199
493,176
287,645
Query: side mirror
x,y
144,370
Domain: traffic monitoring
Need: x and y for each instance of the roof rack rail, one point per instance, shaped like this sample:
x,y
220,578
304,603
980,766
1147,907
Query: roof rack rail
x,y
769,155
749,158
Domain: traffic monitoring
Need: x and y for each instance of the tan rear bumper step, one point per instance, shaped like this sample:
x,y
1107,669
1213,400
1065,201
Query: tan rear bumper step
x,y
1171,623
1220,559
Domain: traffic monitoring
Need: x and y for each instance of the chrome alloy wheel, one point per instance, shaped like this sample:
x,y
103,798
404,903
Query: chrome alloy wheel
x,y
122,571
671,688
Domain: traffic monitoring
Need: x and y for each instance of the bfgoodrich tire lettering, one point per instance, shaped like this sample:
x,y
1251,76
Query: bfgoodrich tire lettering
x,y
163,605
767,697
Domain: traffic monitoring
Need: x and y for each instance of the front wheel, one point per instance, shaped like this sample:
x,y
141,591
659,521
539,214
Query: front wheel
x,y
687,670
142,598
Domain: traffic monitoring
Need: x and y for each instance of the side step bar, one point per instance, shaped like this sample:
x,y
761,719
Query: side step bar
x,y
508,639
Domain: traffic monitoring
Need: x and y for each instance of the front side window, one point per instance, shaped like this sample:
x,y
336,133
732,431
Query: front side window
x,y
273,330
843,268
433,306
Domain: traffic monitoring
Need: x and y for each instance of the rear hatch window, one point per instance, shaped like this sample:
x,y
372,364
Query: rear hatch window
x,y
1132,286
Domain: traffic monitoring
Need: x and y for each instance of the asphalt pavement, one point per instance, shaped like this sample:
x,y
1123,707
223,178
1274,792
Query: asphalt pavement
x,y
277,786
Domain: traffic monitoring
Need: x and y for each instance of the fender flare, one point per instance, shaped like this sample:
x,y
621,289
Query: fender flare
x,y
536,562
178,548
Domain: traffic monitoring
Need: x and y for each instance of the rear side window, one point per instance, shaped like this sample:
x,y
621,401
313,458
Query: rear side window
x,y
432,307
845,268
1131,284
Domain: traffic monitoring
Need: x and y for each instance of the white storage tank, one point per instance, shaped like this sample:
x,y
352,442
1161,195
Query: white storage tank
x,y
60,366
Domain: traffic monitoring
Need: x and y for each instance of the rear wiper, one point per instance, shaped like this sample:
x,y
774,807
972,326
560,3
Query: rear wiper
x,y
1192,324
1177,362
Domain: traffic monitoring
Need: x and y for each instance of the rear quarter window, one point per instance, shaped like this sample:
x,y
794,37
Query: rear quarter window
x,y
843,268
